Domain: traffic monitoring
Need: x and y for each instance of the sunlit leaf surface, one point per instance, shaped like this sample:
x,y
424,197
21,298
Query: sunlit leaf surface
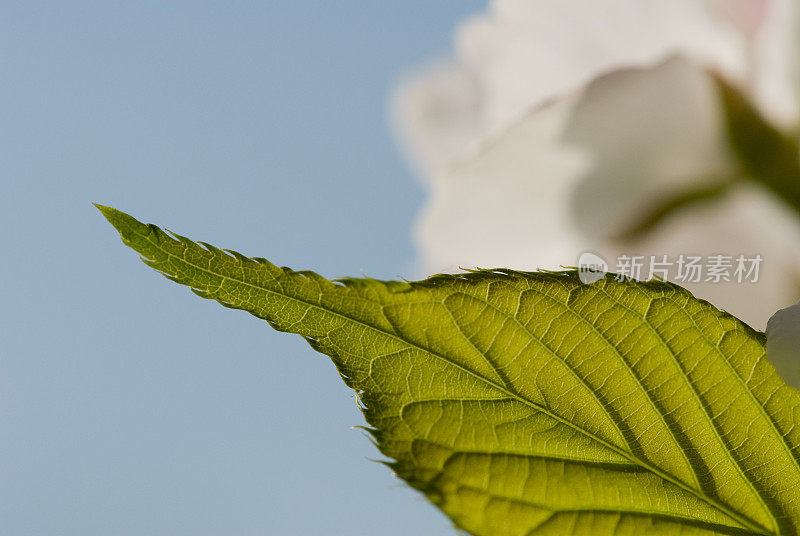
x,y
530,403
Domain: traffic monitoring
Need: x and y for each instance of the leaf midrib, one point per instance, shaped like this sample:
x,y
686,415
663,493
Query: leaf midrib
x,y
607,344
751,525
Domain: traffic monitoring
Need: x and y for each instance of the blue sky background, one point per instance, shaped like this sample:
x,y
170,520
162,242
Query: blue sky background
x,y
128,405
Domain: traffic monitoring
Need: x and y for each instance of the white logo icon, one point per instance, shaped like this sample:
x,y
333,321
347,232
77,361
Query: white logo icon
x,y
591,267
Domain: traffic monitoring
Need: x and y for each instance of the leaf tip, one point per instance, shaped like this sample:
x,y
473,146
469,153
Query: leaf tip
x,y
124,223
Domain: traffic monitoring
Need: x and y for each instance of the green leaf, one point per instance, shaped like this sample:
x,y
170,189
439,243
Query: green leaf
x,y
766,155
529,403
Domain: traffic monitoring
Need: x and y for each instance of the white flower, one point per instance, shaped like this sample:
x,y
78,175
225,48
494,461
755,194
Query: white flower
x,y
783,343
562,123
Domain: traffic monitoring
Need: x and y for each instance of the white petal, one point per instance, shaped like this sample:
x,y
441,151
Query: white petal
x,y
521,54
747,15
776,63
437,115
526,52
507,205
650,134
783,344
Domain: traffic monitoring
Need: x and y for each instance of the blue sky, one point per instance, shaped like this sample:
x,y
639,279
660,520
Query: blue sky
x,y
128,405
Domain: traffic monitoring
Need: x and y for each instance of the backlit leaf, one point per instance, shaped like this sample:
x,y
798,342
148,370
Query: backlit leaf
x,y
530,403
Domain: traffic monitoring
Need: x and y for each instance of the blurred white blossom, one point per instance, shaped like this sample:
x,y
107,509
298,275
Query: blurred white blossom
x,y
559,124
783,343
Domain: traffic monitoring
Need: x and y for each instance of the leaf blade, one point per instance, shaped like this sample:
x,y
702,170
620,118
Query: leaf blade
x,y
609,393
